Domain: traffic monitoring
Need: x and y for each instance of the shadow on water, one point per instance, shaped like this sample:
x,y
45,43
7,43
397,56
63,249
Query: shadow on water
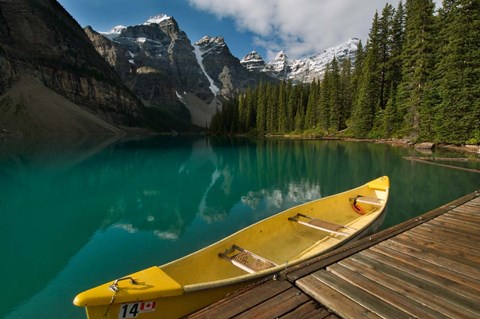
x,y
78,213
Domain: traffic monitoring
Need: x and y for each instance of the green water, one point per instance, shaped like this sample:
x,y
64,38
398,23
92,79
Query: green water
x,y
77,213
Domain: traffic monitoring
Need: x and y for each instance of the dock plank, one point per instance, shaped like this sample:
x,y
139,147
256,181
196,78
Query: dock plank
x,y
438,232
378,286
462,222
334,300
276,307
453,228
468,283
446,240
444,246
429,273
243,300
465,227
368,301
432,247
466,209
427,299
468,217
309,310
432,257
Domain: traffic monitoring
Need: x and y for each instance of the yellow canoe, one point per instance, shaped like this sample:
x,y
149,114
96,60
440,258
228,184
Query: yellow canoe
x,y
260,250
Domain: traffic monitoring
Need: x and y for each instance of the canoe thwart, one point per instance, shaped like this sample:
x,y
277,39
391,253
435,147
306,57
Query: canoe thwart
x,y
368,200
246,260
322,225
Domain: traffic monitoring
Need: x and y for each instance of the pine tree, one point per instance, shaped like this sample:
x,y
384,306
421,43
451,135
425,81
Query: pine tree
x,y
390,122
335,99
250,114
310,118
242,113
282,108
385,51
272,108
458,115
300,110
356,78
368,99
346,92
291,106
324,101
261,118
413,98
397,38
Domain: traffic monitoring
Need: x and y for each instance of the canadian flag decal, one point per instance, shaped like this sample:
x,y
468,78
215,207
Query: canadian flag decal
x,y
148,306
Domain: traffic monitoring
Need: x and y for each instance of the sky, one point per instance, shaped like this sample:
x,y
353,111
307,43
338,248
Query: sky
x,y
301,28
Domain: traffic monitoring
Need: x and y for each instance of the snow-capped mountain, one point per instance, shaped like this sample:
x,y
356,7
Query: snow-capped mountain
x,y
302,70
160,64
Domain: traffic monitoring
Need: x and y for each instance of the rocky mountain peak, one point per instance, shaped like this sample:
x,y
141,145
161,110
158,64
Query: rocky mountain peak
x,y
253,61
307,69
281,56
212,45
278,67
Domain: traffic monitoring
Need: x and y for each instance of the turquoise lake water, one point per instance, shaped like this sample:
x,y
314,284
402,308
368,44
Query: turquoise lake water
x,y
78,213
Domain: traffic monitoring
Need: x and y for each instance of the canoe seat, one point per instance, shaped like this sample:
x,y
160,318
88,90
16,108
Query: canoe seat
x,y
369,200
321,225
246,260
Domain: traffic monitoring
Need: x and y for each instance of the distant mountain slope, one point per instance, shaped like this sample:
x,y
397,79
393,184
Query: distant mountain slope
x,y
41,42
31,109
302,70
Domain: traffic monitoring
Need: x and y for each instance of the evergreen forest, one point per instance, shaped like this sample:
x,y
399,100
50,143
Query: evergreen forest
x,y
417,77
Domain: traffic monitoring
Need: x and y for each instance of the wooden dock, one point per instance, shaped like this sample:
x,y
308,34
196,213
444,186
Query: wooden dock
x,y
427,267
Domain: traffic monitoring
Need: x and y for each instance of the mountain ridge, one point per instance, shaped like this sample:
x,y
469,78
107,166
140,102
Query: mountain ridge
x,y
303,70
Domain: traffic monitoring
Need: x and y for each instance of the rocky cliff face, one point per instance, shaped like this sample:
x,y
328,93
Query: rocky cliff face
x,y
159,63
156,60
40,40
222,67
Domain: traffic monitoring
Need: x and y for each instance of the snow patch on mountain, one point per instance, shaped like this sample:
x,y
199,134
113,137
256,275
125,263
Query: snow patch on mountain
x,y
157,19
114,32
117,30
198,54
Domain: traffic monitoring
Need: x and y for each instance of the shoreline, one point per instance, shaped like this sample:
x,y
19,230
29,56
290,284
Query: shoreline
x,y
429,146
135,132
